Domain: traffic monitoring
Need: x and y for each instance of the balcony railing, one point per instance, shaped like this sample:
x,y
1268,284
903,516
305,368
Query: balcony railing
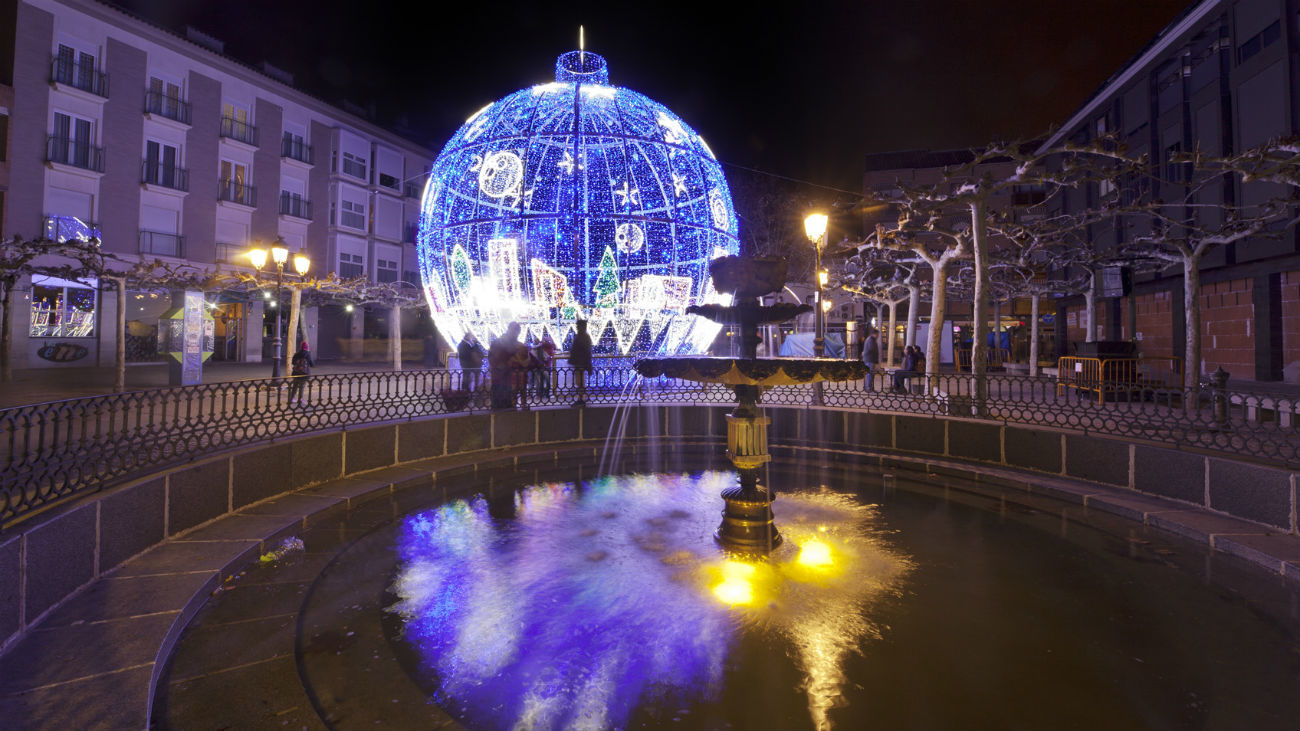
x,y
233,254
168,176
239,131
236,192
66,228
409,233
156,102
79,76
295,149
75,153
162,244
296,206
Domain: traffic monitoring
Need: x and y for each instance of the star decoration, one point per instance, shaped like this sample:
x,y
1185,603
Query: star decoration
x,y
679,185
627,193
566,164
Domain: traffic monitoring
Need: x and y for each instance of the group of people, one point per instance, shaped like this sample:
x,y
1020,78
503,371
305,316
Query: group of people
x,y
514,366
913,363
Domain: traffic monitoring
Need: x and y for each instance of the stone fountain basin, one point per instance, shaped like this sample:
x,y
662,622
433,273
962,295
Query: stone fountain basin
x,y
753,372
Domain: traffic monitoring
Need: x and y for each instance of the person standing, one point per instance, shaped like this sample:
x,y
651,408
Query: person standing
x,y
544,354
470,356
580,361
300,368
871,356
502,362
902,375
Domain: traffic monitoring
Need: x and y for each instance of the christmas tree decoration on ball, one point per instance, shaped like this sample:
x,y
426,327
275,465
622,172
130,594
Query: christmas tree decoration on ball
x,y
576,199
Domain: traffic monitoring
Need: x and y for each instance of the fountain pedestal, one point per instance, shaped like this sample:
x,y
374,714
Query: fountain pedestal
x,y
747,513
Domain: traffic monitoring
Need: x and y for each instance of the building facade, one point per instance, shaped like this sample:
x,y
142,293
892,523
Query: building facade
x,y
1222,77
163,147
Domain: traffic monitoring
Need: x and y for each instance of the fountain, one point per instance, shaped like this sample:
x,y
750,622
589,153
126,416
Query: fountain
x,y
747,523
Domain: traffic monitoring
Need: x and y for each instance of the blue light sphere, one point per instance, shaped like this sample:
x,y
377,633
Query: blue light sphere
x,y
576,200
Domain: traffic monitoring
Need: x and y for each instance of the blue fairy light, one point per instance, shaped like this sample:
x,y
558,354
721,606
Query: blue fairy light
x,y
576,199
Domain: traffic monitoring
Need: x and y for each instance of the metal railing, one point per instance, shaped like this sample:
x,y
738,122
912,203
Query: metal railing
x,y
295,149
160,243
294,205
77,153
239,131
50,452
236,192
168,176
84,76
165,105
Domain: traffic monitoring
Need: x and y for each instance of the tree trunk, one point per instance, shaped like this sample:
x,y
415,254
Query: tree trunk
x,y
913,304
939,292
6,361
1192,316
979,346
291,338
893,331
1090,309
395,336
1033,334
119,357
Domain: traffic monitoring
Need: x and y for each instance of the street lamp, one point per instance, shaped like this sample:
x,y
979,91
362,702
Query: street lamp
x,y
815,227
280,255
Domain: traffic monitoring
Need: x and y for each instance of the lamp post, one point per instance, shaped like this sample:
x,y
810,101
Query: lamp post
x,y
280,256
815,227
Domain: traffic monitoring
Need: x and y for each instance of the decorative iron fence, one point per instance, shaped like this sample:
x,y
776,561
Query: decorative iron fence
x,y
54,451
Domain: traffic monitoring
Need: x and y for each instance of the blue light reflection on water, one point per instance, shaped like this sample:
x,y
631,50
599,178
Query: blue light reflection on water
x,y
592,600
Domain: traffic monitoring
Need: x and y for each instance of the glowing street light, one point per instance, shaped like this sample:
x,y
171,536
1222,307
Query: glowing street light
x,y
815,227
280,255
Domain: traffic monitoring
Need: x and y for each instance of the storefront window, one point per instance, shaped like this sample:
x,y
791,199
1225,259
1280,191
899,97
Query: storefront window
x,y
144,343
62,309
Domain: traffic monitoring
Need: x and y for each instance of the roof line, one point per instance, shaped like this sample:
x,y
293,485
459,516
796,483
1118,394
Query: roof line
x,y
1162,41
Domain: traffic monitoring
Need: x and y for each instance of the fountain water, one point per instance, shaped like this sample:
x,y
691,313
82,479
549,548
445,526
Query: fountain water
x,y
747,522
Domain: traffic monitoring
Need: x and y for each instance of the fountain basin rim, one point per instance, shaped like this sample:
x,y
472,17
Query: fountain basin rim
x,y
752,372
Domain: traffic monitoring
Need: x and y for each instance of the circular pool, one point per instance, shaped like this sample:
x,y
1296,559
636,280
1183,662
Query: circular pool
x,y
548,601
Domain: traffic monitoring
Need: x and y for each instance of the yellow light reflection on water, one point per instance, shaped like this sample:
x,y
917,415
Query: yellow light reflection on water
x,y
815,553
736,586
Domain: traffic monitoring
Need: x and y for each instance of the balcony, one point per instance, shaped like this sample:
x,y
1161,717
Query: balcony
x,y
162,244
295,149
409,233
412,190
156,102
79,76
234,191
75,153
168,176
233,254
294,205
67,228
238,131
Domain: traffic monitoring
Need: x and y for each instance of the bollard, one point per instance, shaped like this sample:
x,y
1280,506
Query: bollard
x,y
1219,384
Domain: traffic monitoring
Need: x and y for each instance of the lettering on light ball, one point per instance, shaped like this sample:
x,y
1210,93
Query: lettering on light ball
x,y
576,200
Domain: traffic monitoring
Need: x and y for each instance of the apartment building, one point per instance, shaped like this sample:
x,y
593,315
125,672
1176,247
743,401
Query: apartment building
x,y
163,147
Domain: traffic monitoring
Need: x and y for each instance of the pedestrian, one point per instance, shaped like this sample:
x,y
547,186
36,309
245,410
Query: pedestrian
x,y
300,368
902,375
502,364
470,355
544,355
871,356
580,361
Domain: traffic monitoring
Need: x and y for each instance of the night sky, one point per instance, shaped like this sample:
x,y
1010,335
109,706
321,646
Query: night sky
x,y
803,89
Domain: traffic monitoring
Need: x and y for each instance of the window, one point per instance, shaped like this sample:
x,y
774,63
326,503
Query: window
x,y
351,266
161,165
4,137
354,166
1175,172
386,270
389,181
293,146
354,215
71,143
233,185
1259,41
235,124
164,99
61,309
76,68
293,204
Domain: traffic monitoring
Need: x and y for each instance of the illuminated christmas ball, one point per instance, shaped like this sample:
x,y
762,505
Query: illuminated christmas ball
x,y
576,200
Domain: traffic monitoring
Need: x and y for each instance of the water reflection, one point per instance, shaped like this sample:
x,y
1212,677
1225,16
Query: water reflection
x,y
586,602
